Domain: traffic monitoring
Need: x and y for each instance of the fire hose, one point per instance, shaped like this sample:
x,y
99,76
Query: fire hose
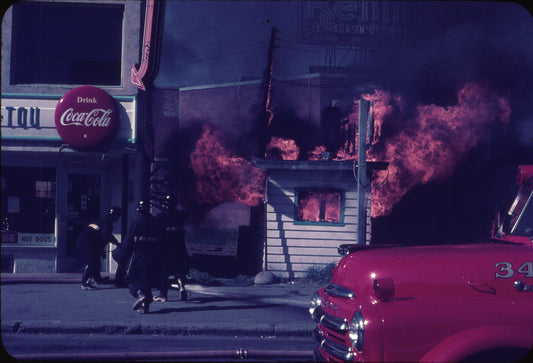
x,y
239,353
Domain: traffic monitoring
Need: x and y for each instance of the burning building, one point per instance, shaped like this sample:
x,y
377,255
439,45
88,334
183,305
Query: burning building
x,y
439,101
311,208
301,198
304,180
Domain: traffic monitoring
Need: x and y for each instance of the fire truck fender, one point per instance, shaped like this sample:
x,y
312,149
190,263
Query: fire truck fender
x,y
474,341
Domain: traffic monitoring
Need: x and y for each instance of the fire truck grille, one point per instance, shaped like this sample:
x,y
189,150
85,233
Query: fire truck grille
x,y
331,336
338,352
339,325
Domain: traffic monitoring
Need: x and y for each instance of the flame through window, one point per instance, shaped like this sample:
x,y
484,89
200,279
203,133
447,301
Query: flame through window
x,y
319,206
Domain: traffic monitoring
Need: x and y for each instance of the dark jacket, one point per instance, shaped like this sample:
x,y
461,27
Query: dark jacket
x,y
93,240
142,244
173,252
88,248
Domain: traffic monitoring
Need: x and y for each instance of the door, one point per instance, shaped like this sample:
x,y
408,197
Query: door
x,y
84,204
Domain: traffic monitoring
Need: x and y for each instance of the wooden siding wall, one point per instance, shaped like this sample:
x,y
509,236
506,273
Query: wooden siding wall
x,y
293,248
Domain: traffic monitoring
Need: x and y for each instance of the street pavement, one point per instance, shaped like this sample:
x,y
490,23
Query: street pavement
x,y
56,304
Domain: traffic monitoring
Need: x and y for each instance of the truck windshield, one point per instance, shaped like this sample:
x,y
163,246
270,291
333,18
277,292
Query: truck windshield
x,y
520,216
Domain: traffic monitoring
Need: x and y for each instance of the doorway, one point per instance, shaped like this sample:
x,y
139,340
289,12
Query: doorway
x,y
84,204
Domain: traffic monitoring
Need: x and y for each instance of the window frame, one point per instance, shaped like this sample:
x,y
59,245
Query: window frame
x,y
342,203
114,79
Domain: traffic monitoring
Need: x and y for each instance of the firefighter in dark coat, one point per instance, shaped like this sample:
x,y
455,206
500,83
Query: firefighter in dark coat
x,y
173,253
90,247
142,240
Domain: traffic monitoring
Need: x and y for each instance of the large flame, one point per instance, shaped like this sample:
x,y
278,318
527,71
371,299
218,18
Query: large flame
x,y
434,142
221,176
427,147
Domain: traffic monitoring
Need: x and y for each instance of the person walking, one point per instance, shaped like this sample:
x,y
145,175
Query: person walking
x,y
141,243
90,247
173,252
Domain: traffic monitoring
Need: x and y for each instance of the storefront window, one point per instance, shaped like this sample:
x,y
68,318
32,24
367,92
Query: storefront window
x,y
319,206
67,43
28,205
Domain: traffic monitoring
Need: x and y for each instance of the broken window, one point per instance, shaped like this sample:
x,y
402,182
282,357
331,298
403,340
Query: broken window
x,y
321,206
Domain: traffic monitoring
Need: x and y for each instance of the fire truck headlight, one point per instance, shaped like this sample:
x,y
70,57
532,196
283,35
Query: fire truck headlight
x,y
314,303
356,330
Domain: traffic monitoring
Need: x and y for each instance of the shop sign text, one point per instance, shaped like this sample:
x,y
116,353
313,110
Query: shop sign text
x,y
86,118
25,117
28,239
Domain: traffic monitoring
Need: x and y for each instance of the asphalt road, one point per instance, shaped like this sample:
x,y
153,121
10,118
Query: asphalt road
x,y
157,347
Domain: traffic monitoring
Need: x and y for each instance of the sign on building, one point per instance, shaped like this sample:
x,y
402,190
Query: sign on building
x,y
355,23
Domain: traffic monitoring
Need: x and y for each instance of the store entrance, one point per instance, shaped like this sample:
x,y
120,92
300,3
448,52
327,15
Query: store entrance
x,y
84,205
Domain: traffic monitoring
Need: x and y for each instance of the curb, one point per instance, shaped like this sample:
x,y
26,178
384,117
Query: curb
x,y
81,327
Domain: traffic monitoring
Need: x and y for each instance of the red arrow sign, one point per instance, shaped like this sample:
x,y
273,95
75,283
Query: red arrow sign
x,y
137,75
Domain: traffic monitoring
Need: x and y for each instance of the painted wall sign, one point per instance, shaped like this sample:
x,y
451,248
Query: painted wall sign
x,y
363,23
86,118
31,117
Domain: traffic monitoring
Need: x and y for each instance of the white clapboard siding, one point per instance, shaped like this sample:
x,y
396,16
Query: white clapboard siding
x,y
294,247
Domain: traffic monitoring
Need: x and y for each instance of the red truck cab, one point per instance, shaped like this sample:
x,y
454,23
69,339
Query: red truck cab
x,y
433,303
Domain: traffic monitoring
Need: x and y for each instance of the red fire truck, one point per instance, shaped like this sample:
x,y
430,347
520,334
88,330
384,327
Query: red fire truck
x,y
433,303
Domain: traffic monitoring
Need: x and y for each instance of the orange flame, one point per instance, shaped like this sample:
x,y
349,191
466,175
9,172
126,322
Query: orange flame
x,y
286,149
319,207
222,177
317,153
382,107
437,138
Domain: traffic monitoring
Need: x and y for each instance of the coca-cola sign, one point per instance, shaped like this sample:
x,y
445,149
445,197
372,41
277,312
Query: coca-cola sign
x,y
86,118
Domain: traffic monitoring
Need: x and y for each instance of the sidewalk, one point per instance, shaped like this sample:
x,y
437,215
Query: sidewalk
x,y
55,304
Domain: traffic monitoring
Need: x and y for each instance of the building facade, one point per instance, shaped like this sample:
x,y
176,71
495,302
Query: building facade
x,y
66,65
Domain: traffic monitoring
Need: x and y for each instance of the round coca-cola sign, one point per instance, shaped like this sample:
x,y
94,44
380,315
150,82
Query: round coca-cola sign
x,y
86,118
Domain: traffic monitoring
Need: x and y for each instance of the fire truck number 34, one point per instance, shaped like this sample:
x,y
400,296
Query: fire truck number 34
x,y
506,270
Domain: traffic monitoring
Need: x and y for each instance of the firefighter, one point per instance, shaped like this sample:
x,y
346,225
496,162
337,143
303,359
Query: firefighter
x,y
142,240
173,254
90,247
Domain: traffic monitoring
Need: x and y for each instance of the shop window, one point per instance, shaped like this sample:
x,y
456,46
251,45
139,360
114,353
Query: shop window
x,y
324,206
44,189
28,205
66,43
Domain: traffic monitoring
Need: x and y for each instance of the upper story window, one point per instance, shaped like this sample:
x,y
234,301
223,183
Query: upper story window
x,y
320,206
66,43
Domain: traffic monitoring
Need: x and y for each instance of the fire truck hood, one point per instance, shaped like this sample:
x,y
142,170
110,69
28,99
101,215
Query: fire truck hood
x,y
436,270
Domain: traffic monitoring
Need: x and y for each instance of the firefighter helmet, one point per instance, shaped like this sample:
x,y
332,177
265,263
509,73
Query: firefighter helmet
x,y
115,211
169,202
143,207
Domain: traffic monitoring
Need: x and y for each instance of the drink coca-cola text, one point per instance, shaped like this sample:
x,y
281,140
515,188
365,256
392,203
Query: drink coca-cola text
x,y
97,118
87,118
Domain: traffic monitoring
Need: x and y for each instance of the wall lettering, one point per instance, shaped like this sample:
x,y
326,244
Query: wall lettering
x,y
25,118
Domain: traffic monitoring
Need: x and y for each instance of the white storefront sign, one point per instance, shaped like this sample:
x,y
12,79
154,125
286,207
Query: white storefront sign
x,y
36,239
28,239
32,118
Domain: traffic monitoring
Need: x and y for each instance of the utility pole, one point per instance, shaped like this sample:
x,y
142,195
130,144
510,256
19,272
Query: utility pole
x,y
263,138
267,101
362,183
